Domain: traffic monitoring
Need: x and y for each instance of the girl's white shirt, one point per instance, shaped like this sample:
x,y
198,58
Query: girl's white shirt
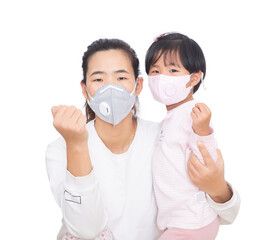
x,y
118,193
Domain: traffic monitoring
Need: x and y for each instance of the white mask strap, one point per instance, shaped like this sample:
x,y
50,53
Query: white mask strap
x,y
203,82
134,87
88,94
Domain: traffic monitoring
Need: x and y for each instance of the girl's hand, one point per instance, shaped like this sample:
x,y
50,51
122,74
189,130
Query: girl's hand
x,y
70,123
209,177
201,116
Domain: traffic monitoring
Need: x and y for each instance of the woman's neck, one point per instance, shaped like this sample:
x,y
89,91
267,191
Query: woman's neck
x,y
119,138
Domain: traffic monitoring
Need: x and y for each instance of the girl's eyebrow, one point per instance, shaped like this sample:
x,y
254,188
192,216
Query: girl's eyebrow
x,y
173,64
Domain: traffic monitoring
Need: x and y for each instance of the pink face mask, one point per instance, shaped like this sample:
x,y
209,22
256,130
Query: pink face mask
x,y
169,89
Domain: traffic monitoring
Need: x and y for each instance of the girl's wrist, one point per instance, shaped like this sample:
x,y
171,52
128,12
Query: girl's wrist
x,y
202,131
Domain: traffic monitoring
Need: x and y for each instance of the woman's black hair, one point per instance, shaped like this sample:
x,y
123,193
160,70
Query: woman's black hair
x,y
171,44
104,45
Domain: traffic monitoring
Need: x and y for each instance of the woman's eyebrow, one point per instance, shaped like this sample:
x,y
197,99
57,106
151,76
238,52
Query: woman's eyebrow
x,y
122,71
96,72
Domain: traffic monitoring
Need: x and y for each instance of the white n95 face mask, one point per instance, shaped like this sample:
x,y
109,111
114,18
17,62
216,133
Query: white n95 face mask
x,y
112,103
169,89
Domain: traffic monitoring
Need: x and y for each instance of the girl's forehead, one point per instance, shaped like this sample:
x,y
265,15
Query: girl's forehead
x,y
168,58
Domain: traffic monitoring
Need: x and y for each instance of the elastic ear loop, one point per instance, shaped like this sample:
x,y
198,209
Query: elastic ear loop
x,y
203,81
134,88
88,96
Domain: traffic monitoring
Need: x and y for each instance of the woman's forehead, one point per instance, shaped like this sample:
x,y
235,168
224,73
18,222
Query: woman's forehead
x,y
110,60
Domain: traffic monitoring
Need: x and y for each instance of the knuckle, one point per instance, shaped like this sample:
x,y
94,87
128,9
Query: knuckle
x,y
215,171
55,124
78,111
72,108
66,126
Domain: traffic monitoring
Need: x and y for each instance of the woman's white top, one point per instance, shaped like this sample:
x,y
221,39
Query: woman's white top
x,y
118,193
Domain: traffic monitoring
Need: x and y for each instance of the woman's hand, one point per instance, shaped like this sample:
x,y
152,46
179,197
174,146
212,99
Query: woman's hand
x,y
209,177
70,123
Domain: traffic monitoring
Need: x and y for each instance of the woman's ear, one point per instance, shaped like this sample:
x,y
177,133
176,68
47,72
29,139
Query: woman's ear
x,y
83,86
195,78
139,86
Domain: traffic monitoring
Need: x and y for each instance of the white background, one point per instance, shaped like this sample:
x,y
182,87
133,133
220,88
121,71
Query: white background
x,y
41,46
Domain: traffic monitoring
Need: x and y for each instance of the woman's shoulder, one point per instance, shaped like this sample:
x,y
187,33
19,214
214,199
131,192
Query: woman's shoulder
x,y
147,127
148,124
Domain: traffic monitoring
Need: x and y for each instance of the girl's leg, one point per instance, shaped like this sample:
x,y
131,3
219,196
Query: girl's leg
x,y
208,232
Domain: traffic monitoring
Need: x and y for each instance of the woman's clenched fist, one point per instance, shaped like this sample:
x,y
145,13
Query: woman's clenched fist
x,y
70,122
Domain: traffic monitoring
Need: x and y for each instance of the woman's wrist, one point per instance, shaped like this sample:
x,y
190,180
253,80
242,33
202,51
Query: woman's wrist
x,y
78,159
224,194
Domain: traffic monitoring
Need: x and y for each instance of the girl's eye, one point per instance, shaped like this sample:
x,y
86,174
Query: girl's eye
x,y
173,70
122,78
154,71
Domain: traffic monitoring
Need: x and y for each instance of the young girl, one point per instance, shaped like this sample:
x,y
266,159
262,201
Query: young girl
x,y
176,66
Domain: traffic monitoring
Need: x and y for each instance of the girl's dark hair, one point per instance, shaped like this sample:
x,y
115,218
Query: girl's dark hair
x,y
169,44
103,45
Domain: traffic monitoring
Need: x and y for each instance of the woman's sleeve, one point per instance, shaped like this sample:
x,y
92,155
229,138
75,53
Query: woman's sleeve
x,y
227,211
79,197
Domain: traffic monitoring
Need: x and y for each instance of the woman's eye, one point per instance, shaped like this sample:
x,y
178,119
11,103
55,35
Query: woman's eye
x,y
122,78
98,80
173,70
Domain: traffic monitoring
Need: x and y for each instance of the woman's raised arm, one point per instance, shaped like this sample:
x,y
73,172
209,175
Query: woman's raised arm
x,y
71,176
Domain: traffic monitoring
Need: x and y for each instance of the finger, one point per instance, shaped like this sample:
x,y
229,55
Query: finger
x,y
69,111
192,173
209,162
76,115
197,164
203,108
196,111
191,168
82,120
54,110
220,160
193,116
199,106
61,110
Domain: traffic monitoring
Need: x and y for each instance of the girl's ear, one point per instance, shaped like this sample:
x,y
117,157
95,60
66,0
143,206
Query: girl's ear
x,y
83,86
139,86
195,78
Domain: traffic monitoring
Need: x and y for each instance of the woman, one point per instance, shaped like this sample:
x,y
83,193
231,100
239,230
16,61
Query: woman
x,y
100,172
